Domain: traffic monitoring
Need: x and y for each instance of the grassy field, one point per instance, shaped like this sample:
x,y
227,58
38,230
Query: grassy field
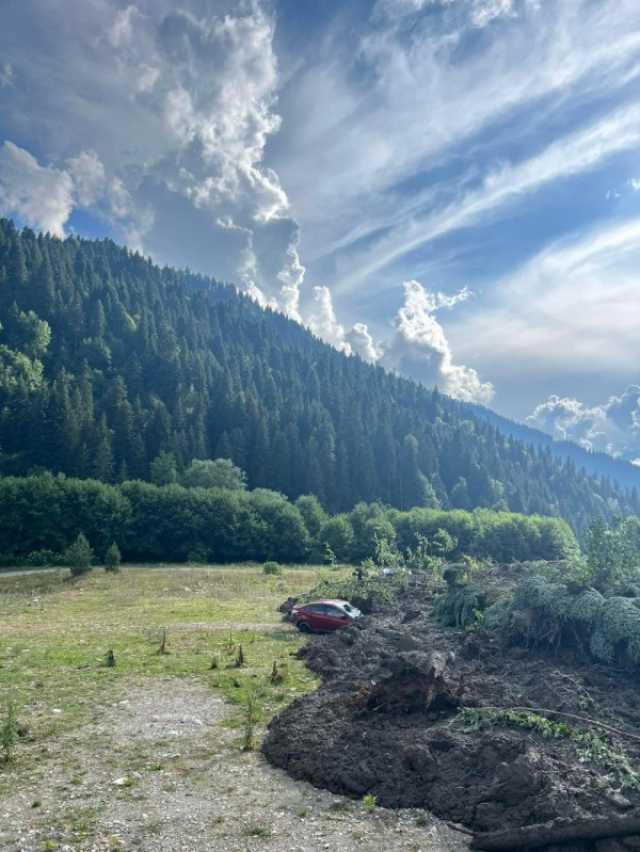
x,y
56,634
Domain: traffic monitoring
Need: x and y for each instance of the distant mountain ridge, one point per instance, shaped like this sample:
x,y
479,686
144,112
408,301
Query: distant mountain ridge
x,y
595,463
109,362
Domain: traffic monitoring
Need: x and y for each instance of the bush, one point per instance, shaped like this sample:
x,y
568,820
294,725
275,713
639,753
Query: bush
x,y
271,568
112,559
43,559
79,556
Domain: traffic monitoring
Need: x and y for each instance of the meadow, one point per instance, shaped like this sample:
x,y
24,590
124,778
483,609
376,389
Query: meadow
x,y
160,621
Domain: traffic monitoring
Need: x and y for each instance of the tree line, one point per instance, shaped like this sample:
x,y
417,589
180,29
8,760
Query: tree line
x,y
42,516
114,369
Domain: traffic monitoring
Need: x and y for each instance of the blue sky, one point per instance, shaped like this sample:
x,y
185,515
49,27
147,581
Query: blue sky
x,y
448,187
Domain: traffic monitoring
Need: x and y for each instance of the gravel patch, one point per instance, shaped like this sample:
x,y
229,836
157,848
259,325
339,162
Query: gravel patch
x,y
160,771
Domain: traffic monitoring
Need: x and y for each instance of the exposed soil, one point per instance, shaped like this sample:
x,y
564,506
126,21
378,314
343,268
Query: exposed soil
x,y
161,771
374,727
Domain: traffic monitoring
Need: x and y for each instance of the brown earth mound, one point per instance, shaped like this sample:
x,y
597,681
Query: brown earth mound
x,y
386,721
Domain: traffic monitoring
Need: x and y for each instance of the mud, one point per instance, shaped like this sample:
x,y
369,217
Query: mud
x,y
378,726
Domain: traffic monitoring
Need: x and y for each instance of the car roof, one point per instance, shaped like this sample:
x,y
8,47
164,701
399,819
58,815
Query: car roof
x,y
331,602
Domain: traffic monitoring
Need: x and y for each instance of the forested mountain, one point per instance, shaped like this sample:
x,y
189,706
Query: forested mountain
x,y
107,362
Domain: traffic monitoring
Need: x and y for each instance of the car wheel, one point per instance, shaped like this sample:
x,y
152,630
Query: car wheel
x,y
303,627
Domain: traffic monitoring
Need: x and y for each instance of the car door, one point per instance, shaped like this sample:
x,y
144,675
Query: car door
x,y
333,617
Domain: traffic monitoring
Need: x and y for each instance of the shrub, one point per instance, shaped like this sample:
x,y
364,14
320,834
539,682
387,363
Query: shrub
x,y
112,559
43,559
8,732
271,568
79,556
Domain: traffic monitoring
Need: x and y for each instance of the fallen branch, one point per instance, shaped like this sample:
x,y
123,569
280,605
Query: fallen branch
x,y
557,831
584,719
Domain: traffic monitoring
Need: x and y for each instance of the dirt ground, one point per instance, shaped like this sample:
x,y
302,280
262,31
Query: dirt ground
x,y
160,770
366,730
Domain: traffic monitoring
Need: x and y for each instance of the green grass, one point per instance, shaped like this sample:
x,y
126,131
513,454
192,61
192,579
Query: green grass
x,y
56,634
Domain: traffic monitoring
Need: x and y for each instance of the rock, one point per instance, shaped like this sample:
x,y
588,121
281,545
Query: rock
x,y
619,801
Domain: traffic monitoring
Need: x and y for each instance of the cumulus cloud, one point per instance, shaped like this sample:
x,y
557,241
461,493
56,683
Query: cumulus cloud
x,y
635,184
419,349
612,427
322,321
361,342
40,195
176,160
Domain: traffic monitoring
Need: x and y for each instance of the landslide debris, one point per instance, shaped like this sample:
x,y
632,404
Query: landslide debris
x,y
419,716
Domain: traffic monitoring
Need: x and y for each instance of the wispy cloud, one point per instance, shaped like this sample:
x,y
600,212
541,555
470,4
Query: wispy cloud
x,y
567,318
571,155
424,96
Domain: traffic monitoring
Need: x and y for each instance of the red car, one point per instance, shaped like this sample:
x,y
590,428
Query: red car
x,y
323,615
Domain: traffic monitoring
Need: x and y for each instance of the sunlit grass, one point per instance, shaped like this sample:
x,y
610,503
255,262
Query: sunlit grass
x,y
55,635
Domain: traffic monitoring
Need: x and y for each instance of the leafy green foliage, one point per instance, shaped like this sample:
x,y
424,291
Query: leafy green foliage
x,y
593,747
164,469
176,524
372,593
271,567
214,473
612,553
369,802
110,365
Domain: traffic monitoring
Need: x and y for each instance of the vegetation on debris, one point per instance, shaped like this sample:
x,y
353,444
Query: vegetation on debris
x,y
594,747
589,605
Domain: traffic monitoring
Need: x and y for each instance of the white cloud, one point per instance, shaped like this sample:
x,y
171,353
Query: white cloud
x,y
635,184
420,350
322,321
320,317
6,75
568,317
423,101
174,154
485,11
612,427
89,177
570,155
42,196
361,342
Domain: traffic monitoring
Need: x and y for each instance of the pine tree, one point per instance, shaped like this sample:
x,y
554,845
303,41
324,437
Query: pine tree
x,y
79,556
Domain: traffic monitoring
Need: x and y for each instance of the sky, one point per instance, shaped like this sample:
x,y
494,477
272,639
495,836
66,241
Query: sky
x,y
450,188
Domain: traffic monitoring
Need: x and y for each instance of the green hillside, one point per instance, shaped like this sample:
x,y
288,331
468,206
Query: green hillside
x,y
107,361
